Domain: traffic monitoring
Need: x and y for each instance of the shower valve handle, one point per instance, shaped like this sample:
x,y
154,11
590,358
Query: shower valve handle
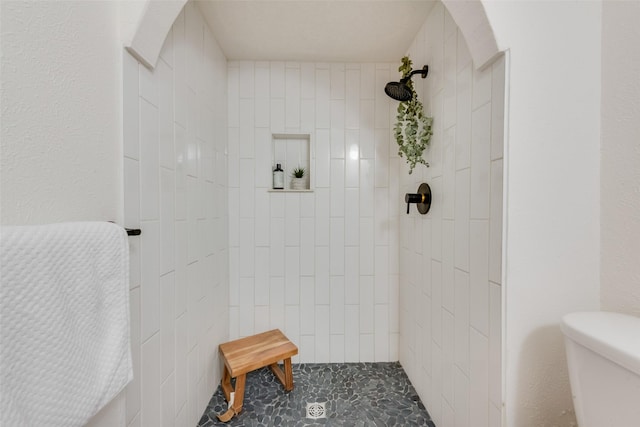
x,y
413,198
422,199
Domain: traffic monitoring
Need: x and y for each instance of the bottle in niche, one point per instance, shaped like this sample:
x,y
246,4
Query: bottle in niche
x,y
278,178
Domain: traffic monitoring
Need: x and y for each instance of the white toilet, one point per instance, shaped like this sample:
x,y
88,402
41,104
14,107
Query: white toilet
x,y
603,354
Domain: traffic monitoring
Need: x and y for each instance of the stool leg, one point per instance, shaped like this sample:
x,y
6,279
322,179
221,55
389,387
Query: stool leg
x,y
238,397
288,375
228,394
226,383
239,394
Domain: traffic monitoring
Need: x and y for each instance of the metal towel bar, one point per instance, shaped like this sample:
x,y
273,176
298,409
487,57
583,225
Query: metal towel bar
x,y
133,231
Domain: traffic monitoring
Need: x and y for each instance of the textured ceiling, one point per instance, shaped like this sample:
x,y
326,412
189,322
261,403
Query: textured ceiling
x,y
313,30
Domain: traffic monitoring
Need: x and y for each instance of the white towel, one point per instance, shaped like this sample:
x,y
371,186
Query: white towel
x,y
64,322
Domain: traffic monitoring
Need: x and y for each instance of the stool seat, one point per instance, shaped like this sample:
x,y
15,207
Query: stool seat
x,y
248,354
254,352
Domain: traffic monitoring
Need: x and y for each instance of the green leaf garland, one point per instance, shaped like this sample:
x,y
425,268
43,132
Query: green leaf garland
x,y
413,128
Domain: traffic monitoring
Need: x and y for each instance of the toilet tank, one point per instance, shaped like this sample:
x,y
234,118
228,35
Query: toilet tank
x,y
603,355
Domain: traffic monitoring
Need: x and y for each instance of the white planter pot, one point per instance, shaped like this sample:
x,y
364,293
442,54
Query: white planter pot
x,y
299,183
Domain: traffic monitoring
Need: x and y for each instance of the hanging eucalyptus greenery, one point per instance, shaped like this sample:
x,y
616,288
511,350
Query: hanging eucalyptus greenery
x,y
413,128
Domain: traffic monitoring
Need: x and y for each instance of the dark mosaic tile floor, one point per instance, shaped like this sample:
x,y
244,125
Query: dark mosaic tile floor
x,y
357,394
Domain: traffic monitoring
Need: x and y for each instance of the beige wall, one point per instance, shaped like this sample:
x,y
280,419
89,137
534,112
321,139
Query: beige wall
x,y
61,104
620,157
552,181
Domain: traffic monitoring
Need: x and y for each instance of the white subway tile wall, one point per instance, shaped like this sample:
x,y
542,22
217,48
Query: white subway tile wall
x,y
324,269
450,308
175,190
341,270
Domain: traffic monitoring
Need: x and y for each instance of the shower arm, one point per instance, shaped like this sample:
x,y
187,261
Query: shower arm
x,y
422,71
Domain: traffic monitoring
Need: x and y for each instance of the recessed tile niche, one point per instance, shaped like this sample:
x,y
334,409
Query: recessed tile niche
x,y
292,151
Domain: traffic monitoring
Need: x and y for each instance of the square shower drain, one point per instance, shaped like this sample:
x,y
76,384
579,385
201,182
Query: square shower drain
x,y
316,410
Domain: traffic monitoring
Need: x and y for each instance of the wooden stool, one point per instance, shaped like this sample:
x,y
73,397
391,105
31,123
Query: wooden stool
x,y
251,353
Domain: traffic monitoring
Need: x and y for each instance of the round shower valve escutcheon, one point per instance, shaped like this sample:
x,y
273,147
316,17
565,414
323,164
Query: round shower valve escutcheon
x,y
422,198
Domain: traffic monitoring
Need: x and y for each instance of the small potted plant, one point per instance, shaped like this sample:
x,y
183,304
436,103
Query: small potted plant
x,y
298,179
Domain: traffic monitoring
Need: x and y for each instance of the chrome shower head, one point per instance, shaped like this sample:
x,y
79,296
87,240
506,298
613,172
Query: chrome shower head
x,y
401,91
